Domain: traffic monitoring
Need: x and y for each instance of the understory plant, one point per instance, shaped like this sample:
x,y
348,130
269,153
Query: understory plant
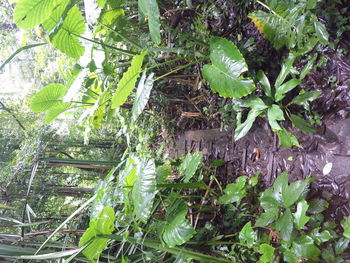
x,y
291,24
226,76
138,210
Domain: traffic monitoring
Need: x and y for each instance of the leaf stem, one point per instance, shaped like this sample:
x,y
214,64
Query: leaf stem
x,y
122,51
179,68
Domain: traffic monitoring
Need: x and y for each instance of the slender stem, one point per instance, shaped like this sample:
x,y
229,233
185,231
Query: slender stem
x,y
12,114
179,68
123,37
122,51
266,6
164,63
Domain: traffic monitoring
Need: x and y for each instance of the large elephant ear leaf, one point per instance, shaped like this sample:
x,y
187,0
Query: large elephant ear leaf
x,y
30,13
66,31
150,10
48,97
225,73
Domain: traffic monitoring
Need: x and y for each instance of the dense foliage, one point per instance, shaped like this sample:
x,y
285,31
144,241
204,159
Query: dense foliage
x,y
150,207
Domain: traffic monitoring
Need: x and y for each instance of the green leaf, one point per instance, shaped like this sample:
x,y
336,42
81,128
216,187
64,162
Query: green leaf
x,y
65,33
301,124
346,226
300,217
303,98
247,235
144,189
292,193
149,9
322,237
341,245
317,206
287,139
258,106
102,225
265,83
285,225
234,192
177,229
275,28
267,218
48,97
285,87
55,111
285,71
224,74
308,67
142,95
128,81
162,173
190,165
321,32
304,247
274,114
328,254
30,13
267,253
101,3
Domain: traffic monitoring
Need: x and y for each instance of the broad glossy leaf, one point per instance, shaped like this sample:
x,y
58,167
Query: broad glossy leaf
x,y
265,83
286,87
247,235
317,206
304,247
177,229
287,139
48,97
225,73
292,193
66,32
303,98
267,253
321,32
144,189
309,65
258,106
322,237
285,70
301,124
275,28
274,114
280,184
285,225
346,226
142,94
300,217
30,13
234,192
190,165
128,81
104,195
103,224
268,217
149,9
